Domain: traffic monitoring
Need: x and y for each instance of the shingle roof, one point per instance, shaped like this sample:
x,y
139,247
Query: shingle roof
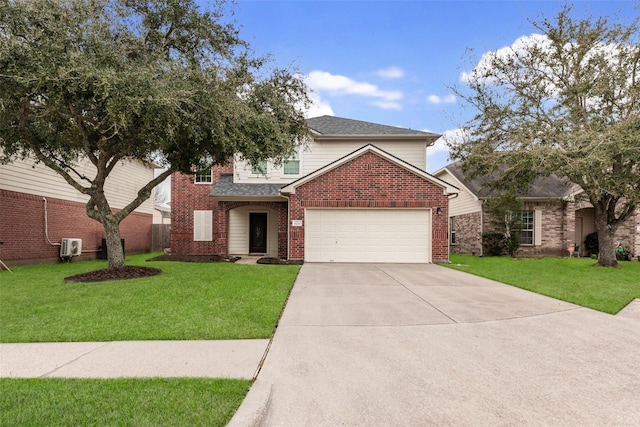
x,y
330,125
226,187
550,187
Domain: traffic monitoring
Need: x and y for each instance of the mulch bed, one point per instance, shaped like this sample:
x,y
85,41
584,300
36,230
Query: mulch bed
x,y
135,272
279,261
194,258
120,273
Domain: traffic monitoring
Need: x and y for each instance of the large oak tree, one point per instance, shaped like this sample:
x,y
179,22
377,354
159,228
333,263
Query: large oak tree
x,y
565,101
163,81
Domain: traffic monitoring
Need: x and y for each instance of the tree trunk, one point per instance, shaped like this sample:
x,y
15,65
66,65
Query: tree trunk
x,y
114,245
606,239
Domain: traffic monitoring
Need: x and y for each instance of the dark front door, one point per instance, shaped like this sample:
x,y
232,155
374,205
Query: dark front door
x,y
258,233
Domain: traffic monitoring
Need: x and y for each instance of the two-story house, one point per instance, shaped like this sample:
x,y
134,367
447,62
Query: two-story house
x,y
353,192
38,209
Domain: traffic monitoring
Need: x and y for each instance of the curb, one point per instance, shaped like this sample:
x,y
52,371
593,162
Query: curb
x,y
253,410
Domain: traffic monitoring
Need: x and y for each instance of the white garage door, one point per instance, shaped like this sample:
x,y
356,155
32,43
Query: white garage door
x,y
367,235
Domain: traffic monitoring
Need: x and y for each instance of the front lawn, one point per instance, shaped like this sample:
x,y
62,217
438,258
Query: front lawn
x,y
120,402
569,279
188,301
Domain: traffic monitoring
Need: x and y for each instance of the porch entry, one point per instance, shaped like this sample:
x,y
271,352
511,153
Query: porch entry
x,y
258,232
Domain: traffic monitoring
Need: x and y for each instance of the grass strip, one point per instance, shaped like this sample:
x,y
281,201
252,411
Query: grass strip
x,y
121,402
188,301
575,280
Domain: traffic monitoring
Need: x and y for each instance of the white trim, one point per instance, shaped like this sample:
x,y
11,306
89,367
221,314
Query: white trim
x,y
461,186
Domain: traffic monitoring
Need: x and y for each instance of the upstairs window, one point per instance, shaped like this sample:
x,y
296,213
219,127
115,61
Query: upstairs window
x,y
291,165
204,176
259,168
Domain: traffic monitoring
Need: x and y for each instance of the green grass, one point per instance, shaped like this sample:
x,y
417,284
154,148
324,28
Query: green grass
x,y
188,301
121,402
569,279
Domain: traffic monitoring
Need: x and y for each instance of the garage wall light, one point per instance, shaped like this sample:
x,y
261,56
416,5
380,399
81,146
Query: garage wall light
x,y
439,210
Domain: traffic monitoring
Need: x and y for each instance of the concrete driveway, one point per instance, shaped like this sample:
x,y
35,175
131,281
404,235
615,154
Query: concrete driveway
x,y
420,344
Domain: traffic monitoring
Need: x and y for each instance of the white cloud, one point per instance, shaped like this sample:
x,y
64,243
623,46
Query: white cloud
x,y
391,73
323,82
387,105
519,48
435,99
319,107
441,146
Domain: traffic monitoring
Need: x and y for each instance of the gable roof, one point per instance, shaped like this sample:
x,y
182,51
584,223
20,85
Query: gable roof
x,y
550,187
291,188
331,126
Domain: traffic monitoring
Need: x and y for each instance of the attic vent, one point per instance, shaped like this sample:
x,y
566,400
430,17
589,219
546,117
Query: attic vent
x,y
366,166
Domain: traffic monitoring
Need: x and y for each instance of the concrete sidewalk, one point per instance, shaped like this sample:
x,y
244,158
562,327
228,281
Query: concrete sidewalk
x,y
215,359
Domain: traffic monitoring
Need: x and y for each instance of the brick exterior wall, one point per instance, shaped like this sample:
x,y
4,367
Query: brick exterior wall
x,y
186,197
22,229
628,234
468,235
369,181
557,224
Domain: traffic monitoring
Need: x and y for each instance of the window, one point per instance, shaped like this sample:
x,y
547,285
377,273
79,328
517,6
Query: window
x,y
452,230
292,164
202,226
259,168
527,233
203,176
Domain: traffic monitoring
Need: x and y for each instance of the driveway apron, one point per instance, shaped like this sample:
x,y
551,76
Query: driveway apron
x,y
420,344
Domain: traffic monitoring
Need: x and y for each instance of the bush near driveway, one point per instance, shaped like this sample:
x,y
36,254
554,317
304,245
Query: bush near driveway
x,y
575,280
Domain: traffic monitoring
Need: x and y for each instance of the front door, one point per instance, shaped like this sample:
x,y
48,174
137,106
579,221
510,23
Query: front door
x,y
258,233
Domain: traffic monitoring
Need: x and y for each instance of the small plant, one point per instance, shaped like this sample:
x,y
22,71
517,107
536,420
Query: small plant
x,y
623,253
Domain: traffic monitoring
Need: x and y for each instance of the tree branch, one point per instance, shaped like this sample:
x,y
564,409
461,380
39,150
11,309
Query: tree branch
x,y
143,194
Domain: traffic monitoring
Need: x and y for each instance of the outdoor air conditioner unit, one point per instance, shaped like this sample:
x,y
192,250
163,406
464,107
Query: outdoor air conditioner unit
x,y
70,247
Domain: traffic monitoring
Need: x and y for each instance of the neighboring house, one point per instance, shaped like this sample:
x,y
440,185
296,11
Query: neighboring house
x,y
554,218
353,192
38,209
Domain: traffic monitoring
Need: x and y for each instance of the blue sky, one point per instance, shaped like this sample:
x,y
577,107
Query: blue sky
x,y
393,62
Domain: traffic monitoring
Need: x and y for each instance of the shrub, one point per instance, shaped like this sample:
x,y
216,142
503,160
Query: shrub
x,y
591,243
493,244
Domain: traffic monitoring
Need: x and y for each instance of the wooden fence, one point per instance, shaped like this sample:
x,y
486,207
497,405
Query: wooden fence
x,y
160,237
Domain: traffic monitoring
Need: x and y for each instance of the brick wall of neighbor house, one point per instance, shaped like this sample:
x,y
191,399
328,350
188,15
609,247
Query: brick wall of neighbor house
x,y
557,226
22,228
468,236
628,234
369,181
